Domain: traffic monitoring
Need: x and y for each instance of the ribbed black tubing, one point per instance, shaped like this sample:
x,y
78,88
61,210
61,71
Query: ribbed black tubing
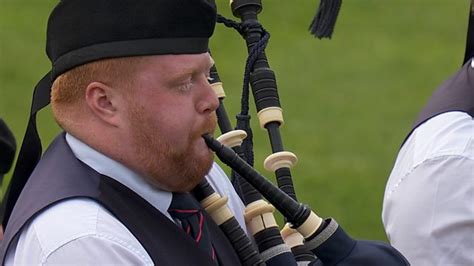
x,y
295,212
246,192
263,81
268,237
231,228
265,93
222,118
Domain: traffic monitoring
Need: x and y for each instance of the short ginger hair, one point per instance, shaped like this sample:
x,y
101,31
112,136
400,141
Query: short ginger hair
x,y
68,90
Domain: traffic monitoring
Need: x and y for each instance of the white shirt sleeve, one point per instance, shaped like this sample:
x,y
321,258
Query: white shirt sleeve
x,y
88,250
430,220
76,232
428,208
94,250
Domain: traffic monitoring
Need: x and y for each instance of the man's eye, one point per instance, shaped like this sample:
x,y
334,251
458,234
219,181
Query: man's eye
x,y
185,87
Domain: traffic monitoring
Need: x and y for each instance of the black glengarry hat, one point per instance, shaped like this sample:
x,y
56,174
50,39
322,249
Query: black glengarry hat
x,y
83,31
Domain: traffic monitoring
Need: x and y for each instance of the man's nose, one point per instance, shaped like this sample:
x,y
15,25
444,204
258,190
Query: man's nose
x,y
209,101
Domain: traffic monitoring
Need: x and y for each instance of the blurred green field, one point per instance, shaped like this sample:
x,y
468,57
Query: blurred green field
x,y
348,102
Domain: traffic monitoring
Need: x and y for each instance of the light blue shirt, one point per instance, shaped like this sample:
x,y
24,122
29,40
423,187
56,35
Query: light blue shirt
x,y
82,232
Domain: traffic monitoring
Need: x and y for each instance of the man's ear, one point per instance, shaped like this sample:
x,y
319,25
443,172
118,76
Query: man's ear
x,y
103,101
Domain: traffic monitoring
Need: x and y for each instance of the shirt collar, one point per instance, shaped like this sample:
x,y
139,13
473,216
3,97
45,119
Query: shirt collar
x,y
159,199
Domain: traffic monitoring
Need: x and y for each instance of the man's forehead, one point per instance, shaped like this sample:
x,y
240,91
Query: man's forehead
x,y
203,60
171,68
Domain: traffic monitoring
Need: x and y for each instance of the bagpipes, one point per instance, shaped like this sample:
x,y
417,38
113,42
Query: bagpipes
x,y
306,238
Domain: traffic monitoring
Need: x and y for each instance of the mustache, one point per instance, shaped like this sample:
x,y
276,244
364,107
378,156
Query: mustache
x,y
208,127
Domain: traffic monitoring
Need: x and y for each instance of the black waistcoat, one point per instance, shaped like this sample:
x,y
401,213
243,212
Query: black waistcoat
x,y
455,94
60,175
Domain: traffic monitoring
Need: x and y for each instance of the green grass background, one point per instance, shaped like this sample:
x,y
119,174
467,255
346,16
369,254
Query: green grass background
x,y
348,102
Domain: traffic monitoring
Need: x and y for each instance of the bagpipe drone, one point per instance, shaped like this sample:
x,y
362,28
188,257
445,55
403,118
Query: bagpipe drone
x,y
306,238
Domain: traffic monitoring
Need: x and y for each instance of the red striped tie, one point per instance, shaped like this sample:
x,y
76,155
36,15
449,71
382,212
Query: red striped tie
x,y
188,212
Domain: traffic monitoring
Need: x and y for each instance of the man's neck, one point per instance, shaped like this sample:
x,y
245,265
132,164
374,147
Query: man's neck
x,y
103,164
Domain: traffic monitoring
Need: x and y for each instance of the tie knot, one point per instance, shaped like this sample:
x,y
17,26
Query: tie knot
x,y
184,203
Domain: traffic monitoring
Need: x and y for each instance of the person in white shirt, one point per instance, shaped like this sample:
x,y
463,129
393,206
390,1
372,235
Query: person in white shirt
x,y
428,208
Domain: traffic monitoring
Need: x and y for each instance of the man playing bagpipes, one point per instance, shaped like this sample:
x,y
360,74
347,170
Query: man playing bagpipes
x,y
129,85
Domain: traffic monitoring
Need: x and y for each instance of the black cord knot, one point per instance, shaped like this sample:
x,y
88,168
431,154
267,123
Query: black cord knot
x,y
243,119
